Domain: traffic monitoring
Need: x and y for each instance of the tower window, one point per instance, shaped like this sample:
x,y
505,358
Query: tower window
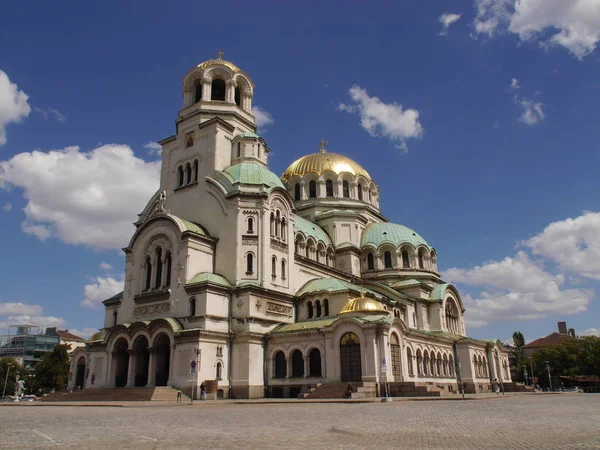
x,y
370,262
421,265
283,269
218,90
387,257
250,225
249,263
329,188
115,318
326,307
309,305
159,267
405,260
346,189
219,371
239,149
312,189
181,178
274,267
196,170
318,307
238,96
169,264
297,191
192,306
360,194
188,174
148,273
198,93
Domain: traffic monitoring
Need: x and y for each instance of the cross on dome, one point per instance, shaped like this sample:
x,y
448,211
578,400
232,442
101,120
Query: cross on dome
x,y
220,54
322,145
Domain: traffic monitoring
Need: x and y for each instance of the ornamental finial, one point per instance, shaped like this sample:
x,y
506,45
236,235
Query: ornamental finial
x,y
322,145
220,54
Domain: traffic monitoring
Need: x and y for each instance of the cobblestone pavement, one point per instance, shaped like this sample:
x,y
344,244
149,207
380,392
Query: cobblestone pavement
x,y
561,421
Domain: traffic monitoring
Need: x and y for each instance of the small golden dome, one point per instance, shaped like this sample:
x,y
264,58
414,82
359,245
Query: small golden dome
x,y
322,162
219,61
363,304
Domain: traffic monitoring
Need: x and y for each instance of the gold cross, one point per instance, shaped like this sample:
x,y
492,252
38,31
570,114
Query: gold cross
x,y
220,54
322,145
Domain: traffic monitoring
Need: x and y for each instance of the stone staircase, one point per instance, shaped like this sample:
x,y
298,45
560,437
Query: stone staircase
x,y
416,389
144,394
337,390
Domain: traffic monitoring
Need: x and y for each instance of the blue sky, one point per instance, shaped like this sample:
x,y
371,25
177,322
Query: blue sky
x,y
481,134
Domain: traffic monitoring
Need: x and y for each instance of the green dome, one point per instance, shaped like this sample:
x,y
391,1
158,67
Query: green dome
x,y
252,173
390,233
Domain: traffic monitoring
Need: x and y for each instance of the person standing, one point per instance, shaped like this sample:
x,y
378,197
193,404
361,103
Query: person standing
x,y
93,379
496,386
202,391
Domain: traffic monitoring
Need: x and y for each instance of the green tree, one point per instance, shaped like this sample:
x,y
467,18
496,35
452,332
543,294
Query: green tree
x,y
517,359
52,372
16,369
591,355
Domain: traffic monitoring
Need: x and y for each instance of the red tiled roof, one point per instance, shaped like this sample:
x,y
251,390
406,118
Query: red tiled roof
x,y
582,378
68,336
551,339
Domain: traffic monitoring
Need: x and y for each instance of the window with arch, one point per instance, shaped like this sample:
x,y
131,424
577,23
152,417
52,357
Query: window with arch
x,y
249,263
195,170
297,192
452,316
274,266
198,92
159,268
329,188
283,226
192,306
297,364
360,191
309,306
280,365
419,363
272,223
409,360
370,262
189,139
451,365
148,273
426,363
277,222
314,363
250,225
219,371
346,189
239,149
405,260
326,308
237,96
283,269
168,267
217,91
387,258
312,189
421,265
181,177
485,367
188,173
318,308
115,314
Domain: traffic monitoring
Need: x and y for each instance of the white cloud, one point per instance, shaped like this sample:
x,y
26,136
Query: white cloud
x,y
384,119
26,319
84,332
573,244
82,198
263,118
514,84
154,148
105,266
13,105
7,207
516,289
572,24
50,113
11,308
446,20
101,289
532,112
590,332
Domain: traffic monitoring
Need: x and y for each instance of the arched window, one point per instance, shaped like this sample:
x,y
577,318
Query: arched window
x,y
188,174
451,317
451,365
314,363
274,266
309,306
409,360
283,229
283,269
312,189
346,189
370,262
192,306
195,170
169,265
250,225
360,194
297,192
326,307
297,364
198,93
148,273
239,149
237,98
218,374
405,260
485,367
159,266
277,223
426,363
329,188
181,178
115,318
318,308
272,224
476,366
249,263
419,363
421,266
280,365
218,90
387,258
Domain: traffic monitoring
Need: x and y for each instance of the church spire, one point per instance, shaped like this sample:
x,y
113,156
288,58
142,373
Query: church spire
x,y
322,145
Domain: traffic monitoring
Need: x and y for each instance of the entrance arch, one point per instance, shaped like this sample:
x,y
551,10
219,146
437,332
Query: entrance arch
x,y
141,358
396,352
121,362
80,378
351,368
162,348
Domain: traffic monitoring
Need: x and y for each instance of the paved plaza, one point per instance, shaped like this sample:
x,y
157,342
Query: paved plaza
x,y
560,421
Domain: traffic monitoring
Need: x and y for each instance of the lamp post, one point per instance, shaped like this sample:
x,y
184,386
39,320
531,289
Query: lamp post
x,y
549,375
532,375
10,366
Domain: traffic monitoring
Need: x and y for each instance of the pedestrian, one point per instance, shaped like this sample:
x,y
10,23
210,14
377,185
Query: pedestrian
x,y
93,379
178,395
348,393
202,391
496,386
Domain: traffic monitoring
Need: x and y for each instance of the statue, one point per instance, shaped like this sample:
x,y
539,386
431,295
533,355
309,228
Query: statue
x,y
162,200
19,384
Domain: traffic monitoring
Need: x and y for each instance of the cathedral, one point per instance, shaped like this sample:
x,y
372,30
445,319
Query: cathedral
x,y
262,285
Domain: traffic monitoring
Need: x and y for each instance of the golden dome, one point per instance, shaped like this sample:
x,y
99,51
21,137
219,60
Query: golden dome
x,y
219,61
363,304
322,162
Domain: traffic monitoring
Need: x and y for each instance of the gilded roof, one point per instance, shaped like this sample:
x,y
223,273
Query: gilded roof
x,y
363,304
322,162
392,233
219,62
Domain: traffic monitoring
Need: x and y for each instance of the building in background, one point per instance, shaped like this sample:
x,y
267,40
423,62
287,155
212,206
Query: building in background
x,y
27,344
552,339
67,338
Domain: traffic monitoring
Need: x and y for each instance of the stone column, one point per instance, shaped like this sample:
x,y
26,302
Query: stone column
x,y
206,89
321,189
247,102
151,369
303,195
306,368
171,368
288,364
131,370
230,92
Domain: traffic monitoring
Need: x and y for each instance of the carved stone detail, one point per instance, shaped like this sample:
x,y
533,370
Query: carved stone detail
x,y
283,310
249,241
151,310
277,245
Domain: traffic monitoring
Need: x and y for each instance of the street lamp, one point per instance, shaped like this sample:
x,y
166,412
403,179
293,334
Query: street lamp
x,y
10,366
532,375
549,376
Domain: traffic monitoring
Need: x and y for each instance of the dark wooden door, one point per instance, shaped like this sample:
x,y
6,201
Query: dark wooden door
x,y
396,369
350,362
